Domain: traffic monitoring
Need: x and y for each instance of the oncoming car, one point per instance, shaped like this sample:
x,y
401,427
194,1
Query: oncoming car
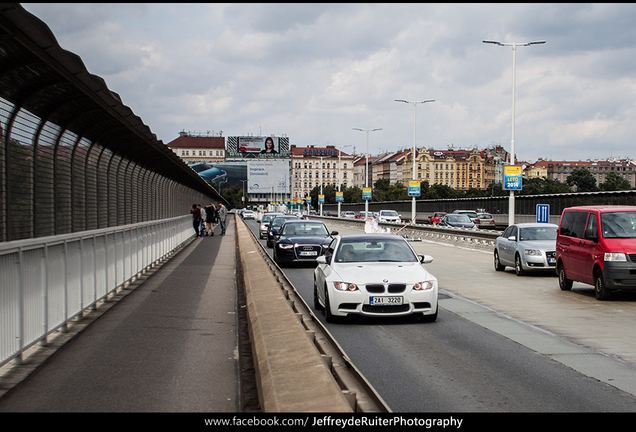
x,y
374,275
526,247
301,241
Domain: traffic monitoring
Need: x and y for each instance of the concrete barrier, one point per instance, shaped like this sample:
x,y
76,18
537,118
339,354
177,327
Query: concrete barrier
x,y
291,374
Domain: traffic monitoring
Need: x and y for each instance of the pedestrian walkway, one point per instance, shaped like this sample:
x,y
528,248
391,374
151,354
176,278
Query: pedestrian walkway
x,y
169,345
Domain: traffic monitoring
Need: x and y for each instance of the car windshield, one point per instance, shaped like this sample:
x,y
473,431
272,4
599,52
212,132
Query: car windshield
x,y
279,221
618,224
458,218
305,229
371,250
388,213
530,234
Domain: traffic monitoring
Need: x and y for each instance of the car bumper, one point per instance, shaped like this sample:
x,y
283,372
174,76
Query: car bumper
x,y
361,303
620,275
301,253
547,261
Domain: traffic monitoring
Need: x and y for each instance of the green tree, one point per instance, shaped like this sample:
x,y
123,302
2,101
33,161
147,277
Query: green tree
x,y
582,180
614,182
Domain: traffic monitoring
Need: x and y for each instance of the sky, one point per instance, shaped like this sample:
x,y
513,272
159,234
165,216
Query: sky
x,y
315,71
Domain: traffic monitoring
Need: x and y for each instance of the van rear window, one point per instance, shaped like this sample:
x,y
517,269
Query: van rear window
x,y
618,225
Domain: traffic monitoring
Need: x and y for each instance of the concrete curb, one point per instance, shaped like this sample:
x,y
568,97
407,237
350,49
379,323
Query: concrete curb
x,y
290,371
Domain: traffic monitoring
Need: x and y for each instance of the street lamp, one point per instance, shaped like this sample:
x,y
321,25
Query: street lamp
x,y
366,174
414,149
514,45
339,166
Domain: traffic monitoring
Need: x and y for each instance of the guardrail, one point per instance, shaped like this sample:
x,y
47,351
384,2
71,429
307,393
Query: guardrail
x,y
49,281
481,237
300,367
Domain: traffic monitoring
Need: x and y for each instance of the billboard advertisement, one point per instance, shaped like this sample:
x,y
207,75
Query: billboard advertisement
x,y
260,147
268,176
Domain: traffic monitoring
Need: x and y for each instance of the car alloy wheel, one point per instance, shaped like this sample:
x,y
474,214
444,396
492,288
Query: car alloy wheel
x,y
518,267
498,266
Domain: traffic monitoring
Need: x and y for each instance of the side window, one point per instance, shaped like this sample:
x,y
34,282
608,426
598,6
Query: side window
x,y
514,232
507,232
330,250
573,224
591,232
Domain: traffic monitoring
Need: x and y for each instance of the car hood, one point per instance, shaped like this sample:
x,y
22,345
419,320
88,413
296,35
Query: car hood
x,y
377,272
538,244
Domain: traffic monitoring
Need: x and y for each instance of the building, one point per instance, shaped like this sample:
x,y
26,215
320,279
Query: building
x,y
198,148
560,170
456,168
311,166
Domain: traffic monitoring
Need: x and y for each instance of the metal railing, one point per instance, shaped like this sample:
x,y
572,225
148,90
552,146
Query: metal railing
x,y
49,281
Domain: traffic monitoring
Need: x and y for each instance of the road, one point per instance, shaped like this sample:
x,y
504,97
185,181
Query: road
x,y
502,343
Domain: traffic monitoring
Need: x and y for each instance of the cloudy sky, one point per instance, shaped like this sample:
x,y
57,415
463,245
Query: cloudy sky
x,y
314,72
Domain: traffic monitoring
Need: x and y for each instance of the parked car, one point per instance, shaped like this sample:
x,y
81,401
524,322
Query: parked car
x,y
248,214
596,245
484,220
472,214
457,221
374,275
389,216
301,241
436,217
266,219
348,214
274,227
526,247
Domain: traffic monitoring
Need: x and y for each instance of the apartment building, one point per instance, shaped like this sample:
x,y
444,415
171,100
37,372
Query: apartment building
x,y
312,165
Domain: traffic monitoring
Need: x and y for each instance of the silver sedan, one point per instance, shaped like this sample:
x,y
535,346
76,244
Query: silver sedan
x,y
526,247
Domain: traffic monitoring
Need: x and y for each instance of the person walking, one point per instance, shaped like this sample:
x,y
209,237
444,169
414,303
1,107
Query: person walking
x,y
210,215
196,219
203,217
222,216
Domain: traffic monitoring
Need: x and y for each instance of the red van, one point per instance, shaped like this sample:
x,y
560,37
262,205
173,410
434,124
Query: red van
x,y
596,245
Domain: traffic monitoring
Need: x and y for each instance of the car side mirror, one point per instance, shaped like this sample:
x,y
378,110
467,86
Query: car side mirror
x,y
333,233
426,259
512,238
322,260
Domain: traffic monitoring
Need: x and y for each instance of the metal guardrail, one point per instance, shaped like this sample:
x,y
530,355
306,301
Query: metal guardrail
x,y
49,281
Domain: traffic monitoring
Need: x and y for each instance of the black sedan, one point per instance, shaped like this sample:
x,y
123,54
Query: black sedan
x,y
456,220
274,227
301,241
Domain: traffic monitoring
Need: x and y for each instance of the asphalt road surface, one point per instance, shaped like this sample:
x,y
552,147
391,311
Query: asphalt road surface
x,y
489,350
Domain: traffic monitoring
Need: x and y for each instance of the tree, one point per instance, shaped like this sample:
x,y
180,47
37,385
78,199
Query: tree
x,y
614,182
582,180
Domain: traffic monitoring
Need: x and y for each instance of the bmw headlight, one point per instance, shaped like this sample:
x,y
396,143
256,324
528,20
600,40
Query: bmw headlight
x,y
345,286
532,252
422,286
615,256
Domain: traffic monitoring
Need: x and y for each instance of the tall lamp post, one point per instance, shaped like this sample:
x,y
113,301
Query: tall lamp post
x,y
339,176
366,174
413,213
514,45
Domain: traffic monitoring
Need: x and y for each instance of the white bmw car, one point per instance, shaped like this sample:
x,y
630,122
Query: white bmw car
x,y
374,275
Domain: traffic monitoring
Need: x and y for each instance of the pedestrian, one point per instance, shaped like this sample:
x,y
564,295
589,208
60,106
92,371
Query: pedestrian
x,y
202,226
196,219
210,215
222,216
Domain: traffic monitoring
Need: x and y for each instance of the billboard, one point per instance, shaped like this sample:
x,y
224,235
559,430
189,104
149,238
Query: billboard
x,y
258,147
268,176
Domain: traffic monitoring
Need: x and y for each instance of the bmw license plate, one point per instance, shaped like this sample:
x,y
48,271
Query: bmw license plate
x,y
308,253
384,300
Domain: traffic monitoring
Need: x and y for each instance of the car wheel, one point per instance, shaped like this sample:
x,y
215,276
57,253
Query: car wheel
x,y
317,305
518,266
602,293
498,266
564,283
